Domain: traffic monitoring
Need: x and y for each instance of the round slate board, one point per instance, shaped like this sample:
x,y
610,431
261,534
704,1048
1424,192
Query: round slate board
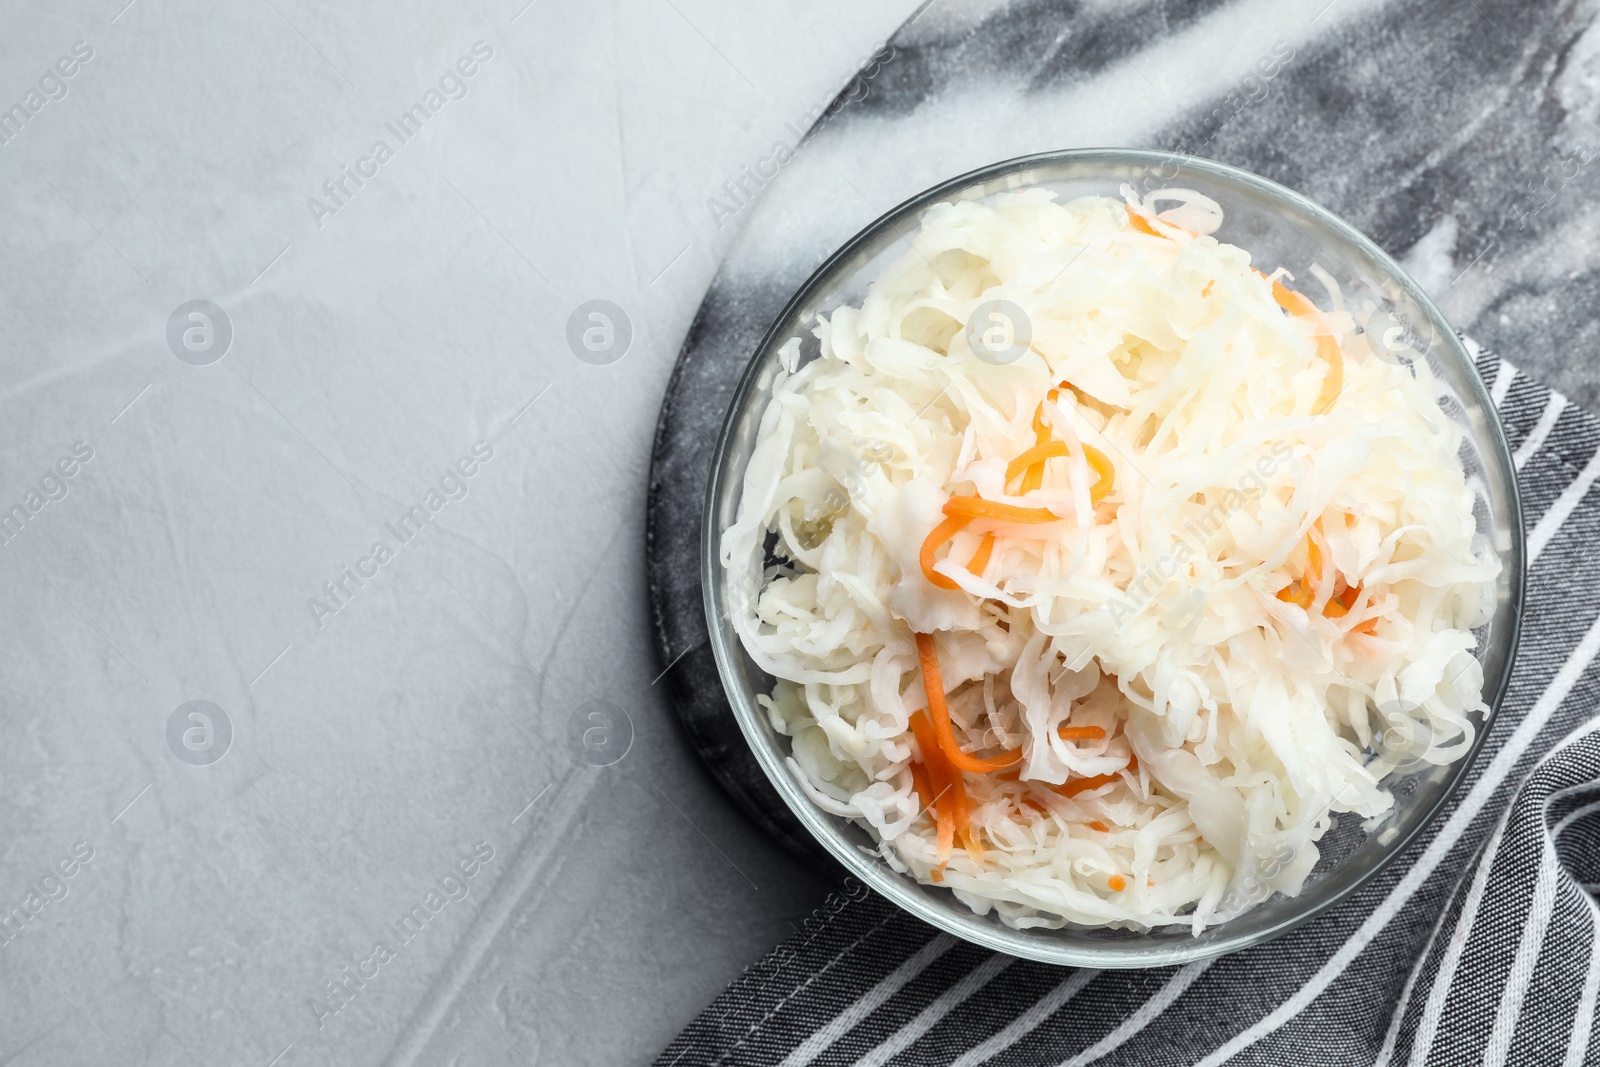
x,y
725,331
1342,102
739,307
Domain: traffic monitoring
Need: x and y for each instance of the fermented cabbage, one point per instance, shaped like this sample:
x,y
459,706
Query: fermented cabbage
x,y
1198,569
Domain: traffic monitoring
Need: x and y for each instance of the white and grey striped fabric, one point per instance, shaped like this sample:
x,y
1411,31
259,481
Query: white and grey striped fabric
x,y
1478,947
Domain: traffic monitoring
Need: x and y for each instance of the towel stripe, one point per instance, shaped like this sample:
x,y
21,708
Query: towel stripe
x,y
935,1011
1541,430
1025,1023
1502,383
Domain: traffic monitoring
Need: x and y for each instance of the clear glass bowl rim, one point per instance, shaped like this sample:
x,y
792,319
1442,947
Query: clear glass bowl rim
x,y
972,928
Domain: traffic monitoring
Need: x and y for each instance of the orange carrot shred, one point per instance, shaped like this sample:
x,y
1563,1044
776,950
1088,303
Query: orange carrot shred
x,y
974,507
1030,464
945,822
1096,824
942,780
932,755
1303,590
919,782
1117,883
1297,593
941,533
1139,222
1035,456
1081,733
963,816
1101,466
1292,302
943,732
1083,785
1033,478
980,558
1339,606
1145,224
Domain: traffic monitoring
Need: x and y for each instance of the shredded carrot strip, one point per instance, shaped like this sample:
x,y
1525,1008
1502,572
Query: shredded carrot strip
x,y
1030,464
952,813
1096,824
1143,224
941,533
1339,606
1083,785
1117,883
943,732
1033,478
975,507
1012,775
1101,466
1292,302
1303,590
1370,627
1133,762
980,558
932,755
945,821
963,816
1296,592
942,781
1081,733
1034,456
1035,805
919,782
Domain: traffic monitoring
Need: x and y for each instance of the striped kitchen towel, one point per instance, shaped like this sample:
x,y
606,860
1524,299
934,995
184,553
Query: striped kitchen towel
x,y
1477,947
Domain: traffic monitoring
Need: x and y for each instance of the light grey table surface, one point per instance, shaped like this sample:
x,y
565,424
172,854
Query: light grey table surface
x,y
424,719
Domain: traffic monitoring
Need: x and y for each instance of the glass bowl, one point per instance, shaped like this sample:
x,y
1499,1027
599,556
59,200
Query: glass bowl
x,y
1277,227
